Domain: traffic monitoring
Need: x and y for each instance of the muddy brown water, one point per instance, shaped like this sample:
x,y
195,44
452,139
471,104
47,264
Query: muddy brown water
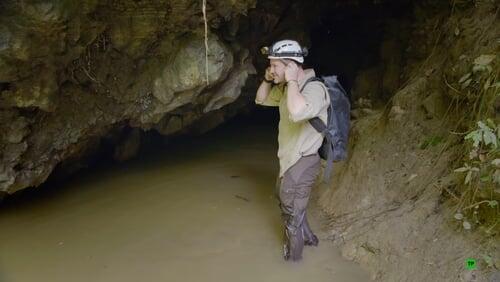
x,y
196,210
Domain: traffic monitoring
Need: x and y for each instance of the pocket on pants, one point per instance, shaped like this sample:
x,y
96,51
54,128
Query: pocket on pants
x,y
306,169
298,181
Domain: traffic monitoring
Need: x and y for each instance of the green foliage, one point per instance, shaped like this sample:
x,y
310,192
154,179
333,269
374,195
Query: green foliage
x,y
488,260
477,205
481,79
484,134
482,176
431,141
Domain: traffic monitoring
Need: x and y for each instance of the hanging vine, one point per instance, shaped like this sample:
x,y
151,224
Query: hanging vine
x,y
206,38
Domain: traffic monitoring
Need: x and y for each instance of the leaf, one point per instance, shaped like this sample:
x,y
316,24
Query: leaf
x,y
459,216
487,84
492,203
488,260
487,138
475,136
468,177
466,225
496,176
484,60
490,138
465,77
478,68
495,140
462,169
457,31
466,83
470,135
485,178
482,125
495,162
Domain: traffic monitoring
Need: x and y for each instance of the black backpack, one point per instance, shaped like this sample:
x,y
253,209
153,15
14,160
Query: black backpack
x,y
336,131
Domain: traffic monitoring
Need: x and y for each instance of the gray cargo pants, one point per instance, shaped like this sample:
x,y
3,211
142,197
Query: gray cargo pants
x,y
294,189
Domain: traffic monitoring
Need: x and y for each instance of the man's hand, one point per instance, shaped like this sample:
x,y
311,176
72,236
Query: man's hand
x,y
291,71
268,75
265,88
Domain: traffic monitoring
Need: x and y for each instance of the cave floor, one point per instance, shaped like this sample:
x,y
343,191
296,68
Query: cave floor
x,y
198,210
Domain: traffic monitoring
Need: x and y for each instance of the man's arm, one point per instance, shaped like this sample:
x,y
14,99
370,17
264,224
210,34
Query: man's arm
x,y
296,102
263,92
310,102
266,94
305,105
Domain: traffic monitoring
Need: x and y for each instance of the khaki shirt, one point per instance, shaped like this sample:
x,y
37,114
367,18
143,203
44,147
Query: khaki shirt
x,y
296,136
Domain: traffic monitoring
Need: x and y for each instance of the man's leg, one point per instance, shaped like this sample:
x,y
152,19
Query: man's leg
x,y
309,238
295,190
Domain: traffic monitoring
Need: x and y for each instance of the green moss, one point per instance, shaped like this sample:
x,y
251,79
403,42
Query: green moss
x,y
431,141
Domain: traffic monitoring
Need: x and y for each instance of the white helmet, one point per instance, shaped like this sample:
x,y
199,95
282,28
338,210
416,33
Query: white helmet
x,y
286,49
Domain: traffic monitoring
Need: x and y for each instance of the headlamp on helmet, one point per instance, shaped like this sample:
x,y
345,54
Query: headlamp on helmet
x,y
285,49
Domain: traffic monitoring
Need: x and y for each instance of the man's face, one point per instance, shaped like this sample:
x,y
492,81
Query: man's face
x,y
277,70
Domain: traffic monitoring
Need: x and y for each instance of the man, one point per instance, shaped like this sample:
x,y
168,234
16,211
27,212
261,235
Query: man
x,y
298,141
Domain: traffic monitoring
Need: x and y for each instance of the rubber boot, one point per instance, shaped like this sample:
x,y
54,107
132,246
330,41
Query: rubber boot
x,y
294,243
309,238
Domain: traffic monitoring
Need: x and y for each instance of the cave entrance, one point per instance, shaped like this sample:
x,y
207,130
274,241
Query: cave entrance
x,y
361,42
345,41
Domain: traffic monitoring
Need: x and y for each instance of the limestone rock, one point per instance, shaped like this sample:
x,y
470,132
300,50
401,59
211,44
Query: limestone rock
x,y
38,91
71,72
230,90
187,72
169,125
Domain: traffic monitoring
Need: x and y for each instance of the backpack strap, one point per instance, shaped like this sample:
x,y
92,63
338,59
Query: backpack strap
x,y
316,122
320,127
329,161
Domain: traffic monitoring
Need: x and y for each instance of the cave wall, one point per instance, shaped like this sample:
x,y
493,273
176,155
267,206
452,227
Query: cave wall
x,y
74,72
